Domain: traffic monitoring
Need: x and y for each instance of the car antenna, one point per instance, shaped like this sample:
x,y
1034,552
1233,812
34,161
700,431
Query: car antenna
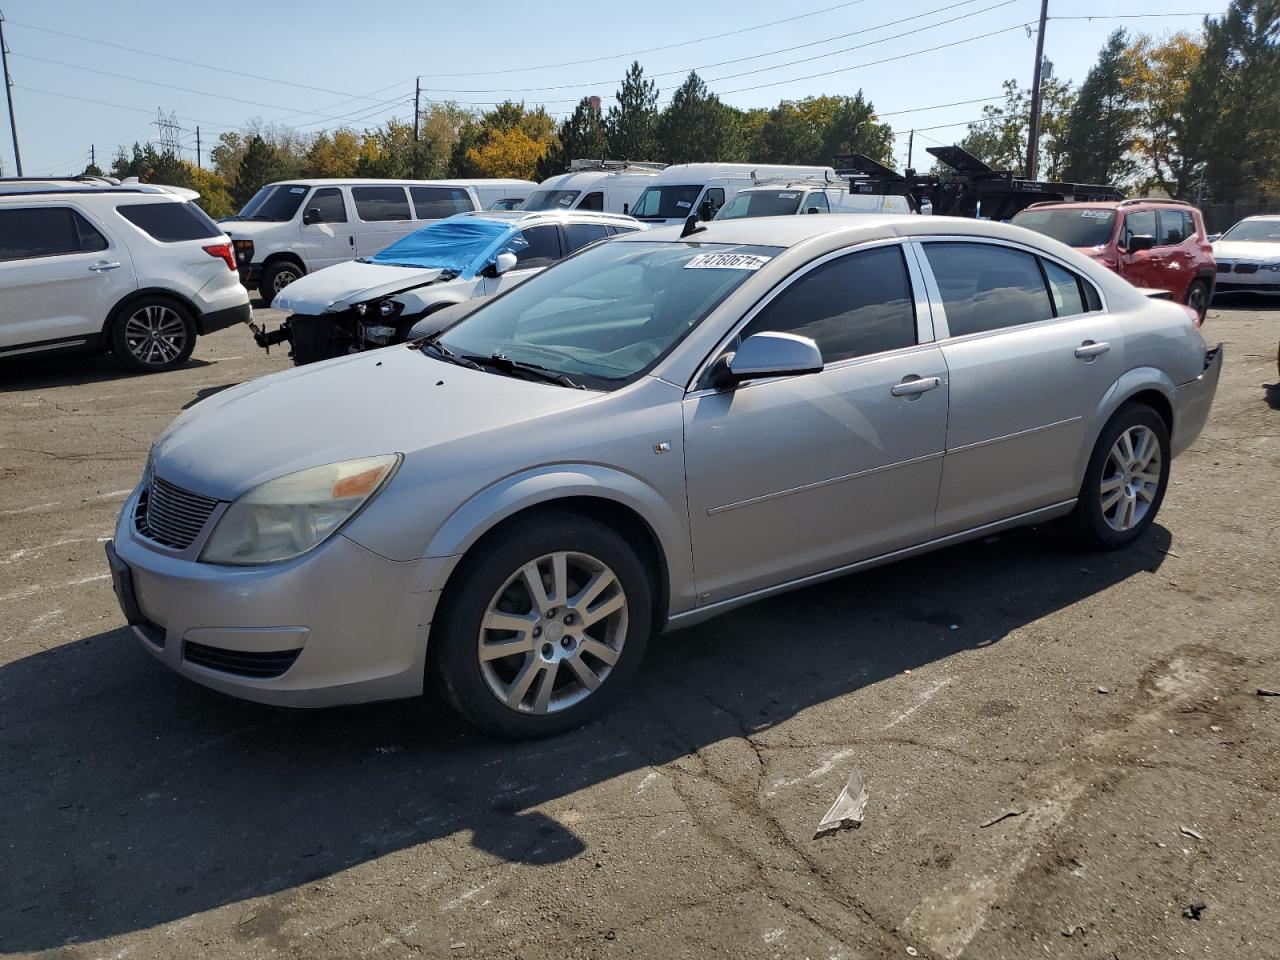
x,y
690,226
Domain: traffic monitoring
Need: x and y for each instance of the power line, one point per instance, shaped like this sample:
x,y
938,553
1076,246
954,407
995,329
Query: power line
x,y
1133,16
119,106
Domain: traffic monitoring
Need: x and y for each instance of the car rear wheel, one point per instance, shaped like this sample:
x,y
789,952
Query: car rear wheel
x,y
1198,298
153,334
548,622
1125,481
275,277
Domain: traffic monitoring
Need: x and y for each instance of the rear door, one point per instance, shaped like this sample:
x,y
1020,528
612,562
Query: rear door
x,y
1030,353
329,238
1175,235
793,476
383,216
60,275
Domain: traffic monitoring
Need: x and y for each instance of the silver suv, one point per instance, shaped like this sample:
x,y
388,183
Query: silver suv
x,y
137,270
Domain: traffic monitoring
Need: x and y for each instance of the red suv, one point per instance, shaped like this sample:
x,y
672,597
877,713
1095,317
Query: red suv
x,y
1160,244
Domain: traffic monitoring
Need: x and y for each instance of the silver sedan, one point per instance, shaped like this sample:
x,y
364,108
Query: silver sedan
x,y
656,430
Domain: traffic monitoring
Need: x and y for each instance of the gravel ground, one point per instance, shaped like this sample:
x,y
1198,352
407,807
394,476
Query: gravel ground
x,y
1109,701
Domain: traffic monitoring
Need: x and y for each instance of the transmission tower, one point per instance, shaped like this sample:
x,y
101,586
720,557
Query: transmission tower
x,y
169,135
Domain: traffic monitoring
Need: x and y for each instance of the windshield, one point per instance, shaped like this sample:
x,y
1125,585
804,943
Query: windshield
x,y
275,202
761,203
610,313
1265,231
1072,226
667,202
550,200
463,244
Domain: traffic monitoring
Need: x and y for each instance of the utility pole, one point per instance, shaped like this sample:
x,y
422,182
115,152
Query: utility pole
x,y
93,154
911,142
8,91
1033,133
417,92
197,146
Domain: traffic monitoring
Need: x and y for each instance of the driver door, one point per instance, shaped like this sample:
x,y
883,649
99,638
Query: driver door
x,y
327,239
793,476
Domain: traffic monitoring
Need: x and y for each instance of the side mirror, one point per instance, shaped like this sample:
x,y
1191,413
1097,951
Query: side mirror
x,y
767,355
312,215
812,210
1141,241
501,264
626,209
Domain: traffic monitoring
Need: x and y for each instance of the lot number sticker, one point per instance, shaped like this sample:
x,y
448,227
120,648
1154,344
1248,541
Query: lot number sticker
x,y
727,261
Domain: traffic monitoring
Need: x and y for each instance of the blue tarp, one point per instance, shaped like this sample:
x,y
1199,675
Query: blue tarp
x,y
465,244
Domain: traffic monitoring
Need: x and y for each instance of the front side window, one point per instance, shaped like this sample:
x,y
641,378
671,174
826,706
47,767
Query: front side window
x,y
987,287
46,232
550,200
541,249
275,202
715,199
608,314
667,202
592,201
170,222
817,201
853,306
375,204
578,235
328,203
436,203
1137,225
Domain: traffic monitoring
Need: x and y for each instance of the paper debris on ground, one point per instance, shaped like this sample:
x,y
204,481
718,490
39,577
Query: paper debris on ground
x,y
847,811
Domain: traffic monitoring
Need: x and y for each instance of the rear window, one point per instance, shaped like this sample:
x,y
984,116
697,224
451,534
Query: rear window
x,y
170,222
1070,225
375,204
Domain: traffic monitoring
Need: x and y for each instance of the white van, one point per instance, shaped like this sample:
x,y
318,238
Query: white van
x,y
605,186
807,196
500,194
703,188
295,227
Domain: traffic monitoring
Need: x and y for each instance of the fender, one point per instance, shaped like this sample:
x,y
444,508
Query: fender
x,y
546,484
128,298
1128,384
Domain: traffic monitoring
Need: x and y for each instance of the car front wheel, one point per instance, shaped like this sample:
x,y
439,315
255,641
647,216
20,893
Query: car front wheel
x,y
1125,481
547,623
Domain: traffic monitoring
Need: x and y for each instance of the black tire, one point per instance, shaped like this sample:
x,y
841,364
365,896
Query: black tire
x,y
1198,298
456,634
153,334
1088,521
276,276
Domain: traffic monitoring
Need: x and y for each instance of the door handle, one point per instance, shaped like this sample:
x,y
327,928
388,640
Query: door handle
x,y
1088,350
351,241
913,386
103,266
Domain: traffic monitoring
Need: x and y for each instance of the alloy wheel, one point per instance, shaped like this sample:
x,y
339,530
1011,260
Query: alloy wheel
x,y
155,335
552,633
1130,478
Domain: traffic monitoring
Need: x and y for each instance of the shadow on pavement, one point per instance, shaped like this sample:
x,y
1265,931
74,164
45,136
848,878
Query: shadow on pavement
x,y
132,797
205,392
29,374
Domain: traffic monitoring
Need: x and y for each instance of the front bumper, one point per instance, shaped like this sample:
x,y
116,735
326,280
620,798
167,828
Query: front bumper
x,y
338,625
1260,282
1192,400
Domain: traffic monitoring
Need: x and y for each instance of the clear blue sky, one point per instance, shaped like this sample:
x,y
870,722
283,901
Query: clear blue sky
x,y
354,63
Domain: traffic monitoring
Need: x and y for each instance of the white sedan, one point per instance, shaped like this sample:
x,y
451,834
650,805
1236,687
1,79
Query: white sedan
x,y
1248,257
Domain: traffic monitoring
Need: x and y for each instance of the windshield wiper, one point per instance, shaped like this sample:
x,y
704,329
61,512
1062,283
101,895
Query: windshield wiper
x,y
505,364
442,352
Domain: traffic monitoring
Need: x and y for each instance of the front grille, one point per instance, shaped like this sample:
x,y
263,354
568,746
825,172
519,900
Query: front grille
x,y
171,516
242,663
1246,268
1224,266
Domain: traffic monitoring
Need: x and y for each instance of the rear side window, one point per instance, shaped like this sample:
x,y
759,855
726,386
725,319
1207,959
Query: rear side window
x,y
436,203
327,201
1064,287
542,247
853,306
46,232
592,201
169,222
1176,226
578,235
374,204
987,287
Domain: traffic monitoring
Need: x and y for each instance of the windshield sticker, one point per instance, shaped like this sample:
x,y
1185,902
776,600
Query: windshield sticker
x,y
787,196
565,201
684,203
727,261
297,189
1096,214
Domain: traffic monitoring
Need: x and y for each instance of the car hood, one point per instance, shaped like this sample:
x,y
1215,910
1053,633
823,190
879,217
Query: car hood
x,y
336,288
394,400
251,229
1261,250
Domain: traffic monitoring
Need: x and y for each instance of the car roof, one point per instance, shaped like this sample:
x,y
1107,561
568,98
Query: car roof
x,y
521,216
1134,204
376,182
765,172
136,193
582,179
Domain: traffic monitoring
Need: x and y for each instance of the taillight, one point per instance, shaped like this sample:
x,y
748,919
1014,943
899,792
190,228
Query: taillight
x,y
222,251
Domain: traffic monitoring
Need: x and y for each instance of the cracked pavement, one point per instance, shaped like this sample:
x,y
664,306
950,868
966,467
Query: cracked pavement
x,y
1109,699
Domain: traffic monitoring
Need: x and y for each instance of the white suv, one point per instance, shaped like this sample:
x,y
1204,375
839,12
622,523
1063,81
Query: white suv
x,y
137,270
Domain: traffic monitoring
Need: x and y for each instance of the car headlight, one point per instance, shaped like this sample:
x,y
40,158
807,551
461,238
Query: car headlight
x,y
285,517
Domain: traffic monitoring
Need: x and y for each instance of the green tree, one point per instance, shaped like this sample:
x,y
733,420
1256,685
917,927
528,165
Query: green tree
x,y
1100,127
696,126
333,155
260,164
1159,74
387,152
851,127
226,155
476,132
580,136
439,125
631,125
1000,138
